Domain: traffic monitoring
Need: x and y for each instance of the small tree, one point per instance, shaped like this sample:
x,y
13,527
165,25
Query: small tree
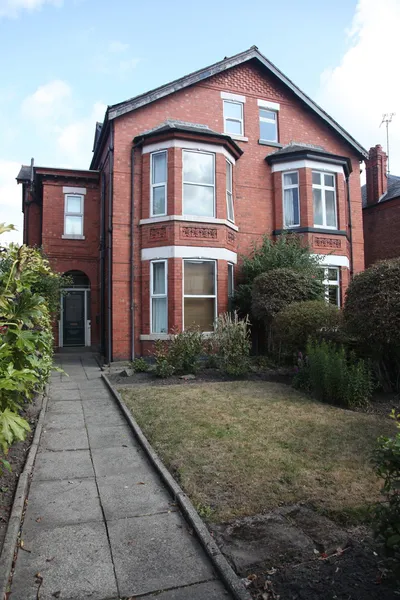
x,y
372,317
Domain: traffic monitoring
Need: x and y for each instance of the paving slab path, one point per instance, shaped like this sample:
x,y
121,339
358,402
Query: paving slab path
x,y
99,522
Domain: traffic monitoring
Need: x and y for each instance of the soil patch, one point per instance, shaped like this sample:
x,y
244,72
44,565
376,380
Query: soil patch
x,y
16,457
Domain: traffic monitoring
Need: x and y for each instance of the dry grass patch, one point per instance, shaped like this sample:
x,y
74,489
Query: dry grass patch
x,y
241,448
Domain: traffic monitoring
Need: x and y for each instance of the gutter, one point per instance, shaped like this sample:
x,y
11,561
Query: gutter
x,y
132,256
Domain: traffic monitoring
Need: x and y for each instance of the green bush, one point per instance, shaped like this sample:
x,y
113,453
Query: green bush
x,y
331,376
140,365
287,252
386,460
231,342
274,290
299,321
180,355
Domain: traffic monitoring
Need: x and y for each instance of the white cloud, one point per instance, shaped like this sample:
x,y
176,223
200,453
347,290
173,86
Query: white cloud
x,y
365,84
75,140
117,47
12,8
128,65
49,102
10,200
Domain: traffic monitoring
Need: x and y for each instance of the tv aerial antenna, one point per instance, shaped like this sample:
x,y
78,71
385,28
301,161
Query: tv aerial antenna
x,y
387,118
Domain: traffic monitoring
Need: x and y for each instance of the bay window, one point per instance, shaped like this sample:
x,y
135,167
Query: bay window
x,y
324,199
199,291
198,183
73,215
291,201
231,285
158,184
229,195
158,297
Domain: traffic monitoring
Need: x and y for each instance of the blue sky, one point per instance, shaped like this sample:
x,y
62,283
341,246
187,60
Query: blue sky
x,y
62,62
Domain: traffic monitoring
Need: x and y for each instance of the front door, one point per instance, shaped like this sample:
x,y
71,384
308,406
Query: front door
x,y
74,318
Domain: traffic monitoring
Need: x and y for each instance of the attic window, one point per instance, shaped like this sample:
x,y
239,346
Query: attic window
x,y
233,117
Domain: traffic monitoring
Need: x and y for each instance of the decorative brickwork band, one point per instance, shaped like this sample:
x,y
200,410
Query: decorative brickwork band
x,y
332,243
205,233
158,233
230,237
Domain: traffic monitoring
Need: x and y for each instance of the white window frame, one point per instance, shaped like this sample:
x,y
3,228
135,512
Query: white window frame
x,y
327,283
74,214
229,193
215,295
267,120
241,120
323,188
184,152
290,187
152,295
157,185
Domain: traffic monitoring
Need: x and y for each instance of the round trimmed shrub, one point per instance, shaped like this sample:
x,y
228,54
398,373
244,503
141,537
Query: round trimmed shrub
x,y
299,321
274,290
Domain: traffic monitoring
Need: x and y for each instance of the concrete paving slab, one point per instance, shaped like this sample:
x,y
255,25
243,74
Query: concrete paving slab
x,y
64,407
60,394
210,590
108,416
64,439
94,406
63,421
139,493
117,461
63,465
57,503
92,385
60,385
156,553
73,560
95,394
102,436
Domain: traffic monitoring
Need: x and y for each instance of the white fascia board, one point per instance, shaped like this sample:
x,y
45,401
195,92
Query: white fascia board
x,y
189,219
233,97
188,145
333,260
268,104
195,252
318,165
67,189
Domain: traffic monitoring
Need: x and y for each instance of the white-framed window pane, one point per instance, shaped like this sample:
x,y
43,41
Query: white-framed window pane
x,y
229,206
333,294
159,315
73,225
231,286
291,207
228,176
199,312
290,179
198,200
234,127
330,205
268,126
199,278
318,214
233,110
329,180
159,164
316,178
333,274
159,200
198,167
159,278
74,204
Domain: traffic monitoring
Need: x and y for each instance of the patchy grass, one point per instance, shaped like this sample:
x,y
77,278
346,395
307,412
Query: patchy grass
x,y
241,448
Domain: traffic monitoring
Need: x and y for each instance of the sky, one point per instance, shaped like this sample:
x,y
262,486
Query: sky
x,y
63,61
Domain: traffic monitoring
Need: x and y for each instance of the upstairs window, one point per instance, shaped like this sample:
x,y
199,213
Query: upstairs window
x,y
158,170
229,194
324,198
233,117
159,297
291,200
331,281
198,184
73,217
200,294
268,125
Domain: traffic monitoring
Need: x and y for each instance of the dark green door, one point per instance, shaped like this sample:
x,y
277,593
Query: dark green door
x,y
74,319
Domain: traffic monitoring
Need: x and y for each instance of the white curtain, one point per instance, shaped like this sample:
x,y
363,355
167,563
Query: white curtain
x,y
291,207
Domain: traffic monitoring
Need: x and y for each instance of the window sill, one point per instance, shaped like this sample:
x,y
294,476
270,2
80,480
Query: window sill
x,y
152,337
73,237
239,138
272,144
310,230
189,219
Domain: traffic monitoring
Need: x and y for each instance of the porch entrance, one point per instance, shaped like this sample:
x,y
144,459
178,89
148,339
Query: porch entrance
x,y
75,324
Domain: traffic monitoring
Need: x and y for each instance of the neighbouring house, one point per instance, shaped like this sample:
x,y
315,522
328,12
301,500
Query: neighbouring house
x,y
184,180
381,209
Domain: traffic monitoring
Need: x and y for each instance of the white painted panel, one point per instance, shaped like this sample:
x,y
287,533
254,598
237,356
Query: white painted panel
x,y
233,97
333,260
319,165
268,104
189,252
74,190
189,145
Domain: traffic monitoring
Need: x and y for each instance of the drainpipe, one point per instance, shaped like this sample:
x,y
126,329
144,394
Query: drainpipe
x,y
132,256
350,225
102,261
110,206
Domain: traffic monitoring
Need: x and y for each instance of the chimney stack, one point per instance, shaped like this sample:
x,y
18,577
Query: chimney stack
x,y
376,174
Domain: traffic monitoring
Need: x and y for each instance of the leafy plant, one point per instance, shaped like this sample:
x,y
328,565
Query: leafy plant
x,y
140,365
331,376
231,342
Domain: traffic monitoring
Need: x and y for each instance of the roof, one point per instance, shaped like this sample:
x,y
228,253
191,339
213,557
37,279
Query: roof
x,y
308,151
183,126
26,171
252,54
393,190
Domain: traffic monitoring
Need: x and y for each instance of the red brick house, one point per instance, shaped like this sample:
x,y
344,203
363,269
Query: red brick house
x,y
381,209
184,180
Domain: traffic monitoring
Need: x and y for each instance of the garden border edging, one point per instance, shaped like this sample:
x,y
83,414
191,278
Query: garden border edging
x,y
229,577
21,493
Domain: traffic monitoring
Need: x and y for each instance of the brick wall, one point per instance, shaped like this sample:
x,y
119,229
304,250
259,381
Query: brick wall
x,y
381,231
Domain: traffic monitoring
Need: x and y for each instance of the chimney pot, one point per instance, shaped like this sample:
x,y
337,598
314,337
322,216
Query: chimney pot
x,y
376,172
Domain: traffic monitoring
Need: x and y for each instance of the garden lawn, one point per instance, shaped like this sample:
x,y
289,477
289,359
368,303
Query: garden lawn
x,y
241,448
